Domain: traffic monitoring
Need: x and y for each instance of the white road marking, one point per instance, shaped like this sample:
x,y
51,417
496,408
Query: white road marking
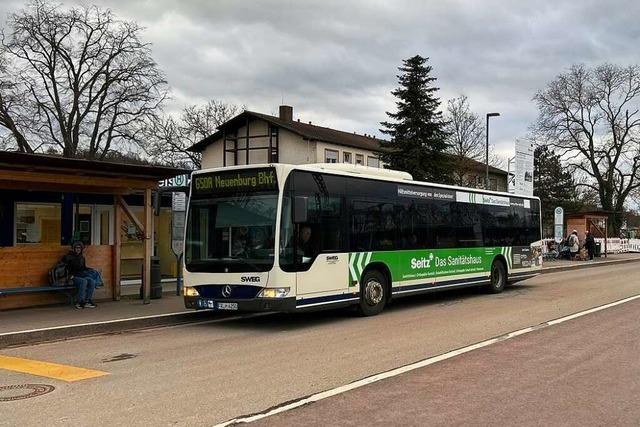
x,y
420,364
224,319
103,322
182,324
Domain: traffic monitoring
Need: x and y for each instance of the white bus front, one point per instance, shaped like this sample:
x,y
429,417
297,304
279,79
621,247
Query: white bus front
x,y
230,242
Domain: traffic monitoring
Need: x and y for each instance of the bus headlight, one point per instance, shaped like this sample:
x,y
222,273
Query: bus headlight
x,y
274,293
190,291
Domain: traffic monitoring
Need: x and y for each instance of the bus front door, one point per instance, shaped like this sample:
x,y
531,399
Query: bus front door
x,y
328,273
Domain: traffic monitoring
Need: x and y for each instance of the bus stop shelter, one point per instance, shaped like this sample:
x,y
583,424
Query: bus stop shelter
x,y
40,216
596,223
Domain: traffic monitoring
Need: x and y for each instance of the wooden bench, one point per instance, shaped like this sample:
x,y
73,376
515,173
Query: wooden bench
x,y
68,290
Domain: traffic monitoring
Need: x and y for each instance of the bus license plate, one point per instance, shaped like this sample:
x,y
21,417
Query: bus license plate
x,y
227,306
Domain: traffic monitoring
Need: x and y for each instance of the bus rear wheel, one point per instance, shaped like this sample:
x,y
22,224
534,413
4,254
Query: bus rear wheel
x,y
498,277
373,293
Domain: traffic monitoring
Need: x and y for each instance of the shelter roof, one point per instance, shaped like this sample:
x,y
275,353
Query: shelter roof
x,y
52,172
591,214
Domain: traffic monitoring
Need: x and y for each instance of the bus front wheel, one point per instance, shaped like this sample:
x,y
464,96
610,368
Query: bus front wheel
x,y
373,293
498,277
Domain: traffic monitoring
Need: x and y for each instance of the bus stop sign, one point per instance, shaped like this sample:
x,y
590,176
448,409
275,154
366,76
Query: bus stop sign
x,y
178,204
558,214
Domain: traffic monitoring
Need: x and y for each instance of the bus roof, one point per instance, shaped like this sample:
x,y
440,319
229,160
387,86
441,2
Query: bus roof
x,y
362,172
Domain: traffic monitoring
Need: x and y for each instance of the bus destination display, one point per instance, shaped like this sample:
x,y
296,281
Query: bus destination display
x,y
235,181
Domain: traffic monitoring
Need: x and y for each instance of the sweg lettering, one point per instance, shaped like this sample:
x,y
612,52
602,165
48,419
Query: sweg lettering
x,y
250,279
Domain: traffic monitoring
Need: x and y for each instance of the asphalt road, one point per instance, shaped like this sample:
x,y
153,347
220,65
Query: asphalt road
x,y
202,374
585,372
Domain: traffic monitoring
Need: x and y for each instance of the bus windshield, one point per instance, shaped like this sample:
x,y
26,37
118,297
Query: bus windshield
x,y
232,220
231,233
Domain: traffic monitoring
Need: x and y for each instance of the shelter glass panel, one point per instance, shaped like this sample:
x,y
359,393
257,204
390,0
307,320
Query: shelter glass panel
x,y
38,223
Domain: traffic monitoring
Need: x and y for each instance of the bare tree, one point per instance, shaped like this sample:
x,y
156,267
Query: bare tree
x,y
466,137
92,81
12,99
166,145
172,137
592,117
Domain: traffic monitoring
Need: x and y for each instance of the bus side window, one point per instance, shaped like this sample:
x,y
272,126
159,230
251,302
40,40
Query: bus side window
x,y
362,225
442,224
498,226
468,225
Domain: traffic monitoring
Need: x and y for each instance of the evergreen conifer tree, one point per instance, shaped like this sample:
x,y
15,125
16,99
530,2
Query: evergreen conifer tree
x,y
418,139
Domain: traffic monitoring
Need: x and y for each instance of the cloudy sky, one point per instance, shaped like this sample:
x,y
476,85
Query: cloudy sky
x,y
336,61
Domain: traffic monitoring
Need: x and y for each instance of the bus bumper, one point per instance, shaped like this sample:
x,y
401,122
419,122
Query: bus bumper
x,y
244,305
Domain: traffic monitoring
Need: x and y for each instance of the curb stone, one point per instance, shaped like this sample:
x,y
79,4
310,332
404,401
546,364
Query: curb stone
x,y
586,264
58,333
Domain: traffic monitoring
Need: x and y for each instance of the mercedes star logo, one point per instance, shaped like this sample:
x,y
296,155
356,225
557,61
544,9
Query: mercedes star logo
x,y
226,291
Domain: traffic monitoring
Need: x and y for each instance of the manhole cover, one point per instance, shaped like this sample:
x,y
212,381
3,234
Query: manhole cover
x,y
23,391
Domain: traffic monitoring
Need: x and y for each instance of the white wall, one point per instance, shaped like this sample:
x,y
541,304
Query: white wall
x,y
212,155
296,151
322,146
293,149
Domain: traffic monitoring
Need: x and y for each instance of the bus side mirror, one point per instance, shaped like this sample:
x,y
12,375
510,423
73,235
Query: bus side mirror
x,y
300,210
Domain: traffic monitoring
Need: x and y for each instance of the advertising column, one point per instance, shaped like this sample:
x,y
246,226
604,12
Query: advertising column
x,y
524,168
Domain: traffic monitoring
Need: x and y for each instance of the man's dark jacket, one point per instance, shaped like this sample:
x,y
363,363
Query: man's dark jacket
x,y
75,263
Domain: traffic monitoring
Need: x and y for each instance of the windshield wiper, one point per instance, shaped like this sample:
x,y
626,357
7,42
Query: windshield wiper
x,y
244,261
203,262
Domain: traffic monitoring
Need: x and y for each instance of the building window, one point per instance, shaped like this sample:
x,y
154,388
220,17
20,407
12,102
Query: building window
x,y
346,157
359,159
493,184
38,223
330,156
373,162
273,143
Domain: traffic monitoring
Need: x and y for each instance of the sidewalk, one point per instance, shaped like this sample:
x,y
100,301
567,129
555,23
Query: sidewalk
x,y
22,326
551,266
32,325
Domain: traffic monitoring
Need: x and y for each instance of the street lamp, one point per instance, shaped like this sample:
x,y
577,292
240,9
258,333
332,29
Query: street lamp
x,y
486,178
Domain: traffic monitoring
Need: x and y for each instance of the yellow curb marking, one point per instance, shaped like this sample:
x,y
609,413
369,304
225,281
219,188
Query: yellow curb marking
x,y
47,369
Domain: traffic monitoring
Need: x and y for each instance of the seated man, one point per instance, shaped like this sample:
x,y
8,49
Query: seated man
x,y
85,279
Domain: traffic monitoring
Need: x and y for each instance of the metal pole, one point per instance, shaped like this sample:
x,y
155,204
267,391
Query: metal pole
x,y
179,276
486,177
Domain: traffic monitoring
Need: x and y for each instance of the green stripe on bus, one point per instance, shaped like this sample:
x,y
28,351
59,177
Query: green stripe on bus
x,y
428,263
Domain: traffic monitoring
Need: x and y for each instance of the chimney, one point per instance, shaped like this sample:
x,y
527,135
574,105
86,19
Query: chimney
x,y
286,113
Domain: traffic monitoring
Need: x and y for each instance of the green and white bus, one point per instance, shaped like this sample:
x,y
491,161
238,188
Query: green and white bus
x,y
295,237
